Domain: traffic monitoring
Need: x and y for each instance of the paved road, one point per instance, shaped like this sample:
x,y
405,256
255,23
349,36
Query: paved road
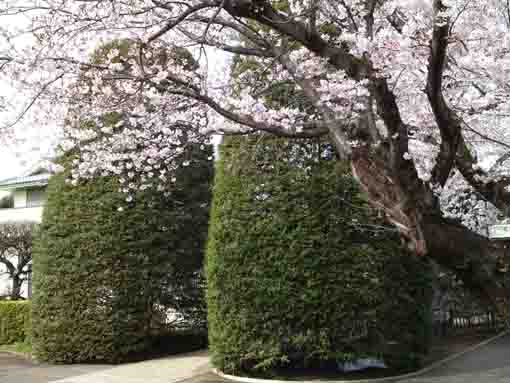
x,y
180,368
495,355
490,363
14,369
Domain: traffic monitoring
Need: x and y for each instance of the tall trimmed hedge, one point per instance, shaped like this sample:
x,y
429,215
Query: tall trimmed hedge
x,y
301,273
14,321
105,272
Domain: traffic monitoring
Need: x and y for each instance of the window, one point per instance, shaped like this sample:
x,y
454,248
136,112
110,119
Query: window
x,y
36,197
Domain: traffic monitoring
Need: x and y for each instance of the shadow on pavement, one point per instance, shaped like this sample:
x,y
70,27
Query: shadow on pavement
x,y
15,369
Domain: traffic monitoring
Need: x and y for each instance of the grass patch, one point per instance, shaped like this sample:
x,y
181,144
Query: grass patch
x,y
19,347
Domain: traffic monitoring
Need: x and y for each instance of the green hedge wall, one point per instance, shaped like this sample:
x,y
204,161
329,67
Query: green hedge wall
x,y
298,265
14,321
104,276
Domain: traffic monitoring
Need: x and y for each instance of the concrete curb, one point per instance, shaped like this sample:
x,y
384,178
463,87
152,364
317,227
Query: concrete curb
x,y
430,367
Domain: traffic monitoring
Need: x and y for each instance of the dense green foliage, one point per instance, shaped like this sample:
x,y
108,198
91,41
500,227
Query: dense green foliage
x,y
300,271
106,272
14,322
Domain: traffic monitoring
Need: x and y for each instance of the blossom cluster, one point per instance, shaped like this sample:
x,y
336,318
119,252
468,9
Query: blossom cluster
x,y
132,109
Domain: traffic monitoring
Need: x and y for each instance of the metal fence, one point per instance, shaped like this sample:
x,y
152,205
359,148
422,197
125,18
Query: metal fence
x,y
473,321
465,322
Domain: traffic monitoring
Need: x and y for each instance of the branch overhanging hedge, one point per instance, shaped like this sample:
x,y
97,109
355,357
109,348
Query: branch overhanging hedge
x,y
297,266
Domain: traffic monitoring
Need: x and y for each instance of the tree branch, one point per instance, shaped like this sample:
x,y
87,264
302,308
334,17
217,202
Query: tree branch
x,y
8,264
310,129
448,122
183,16
494,191
34,100
356,68
228,48
479,262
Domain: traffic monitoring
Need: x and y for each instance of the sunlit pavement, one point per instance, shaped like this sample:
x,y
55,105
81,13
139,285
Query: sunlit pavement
x,y
489,363
165,370
14,369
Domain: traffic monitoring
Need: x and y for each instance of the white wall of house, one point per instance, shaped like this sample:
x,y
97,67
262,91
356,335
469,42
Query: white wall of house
x,y
21,212
4,282
30,214
20,198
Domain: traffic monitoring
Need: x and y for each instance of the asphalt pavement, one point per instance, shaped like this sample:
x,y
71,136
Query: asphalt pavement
x,y
489,363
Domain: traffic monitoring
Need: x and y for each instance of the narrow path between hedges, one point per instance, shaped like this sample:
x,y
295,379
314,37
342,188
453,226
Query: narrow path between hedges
x,y
489,363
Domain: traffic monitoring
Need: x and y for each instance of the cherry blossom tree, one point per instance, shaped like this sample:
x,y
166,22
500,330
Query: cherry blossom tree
x,y
413,93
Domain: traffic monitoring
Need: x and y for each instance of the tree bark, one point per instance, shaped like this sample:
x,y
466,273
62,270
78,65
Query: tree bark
x,y
387,174
393,186
480,263
17,282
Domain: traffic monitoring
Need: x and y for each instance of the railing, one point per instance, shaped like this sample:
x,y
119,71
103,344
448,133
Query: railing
x,y
465,321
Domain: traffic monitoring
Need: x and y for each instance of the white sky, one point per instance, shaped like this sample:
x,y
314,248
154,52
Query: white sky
x,y
10,166
16,156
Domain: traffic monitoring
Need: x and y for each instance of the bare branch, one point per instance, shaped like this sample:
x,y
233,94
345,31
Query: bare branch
x,y
348,10
172,24
227,48
34,100
211,20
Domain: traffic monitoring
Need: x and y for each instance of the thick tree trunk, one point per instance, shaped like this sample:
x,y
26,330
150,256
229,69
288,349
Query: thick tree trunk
x,y
387,174
480,263
393,186
16,288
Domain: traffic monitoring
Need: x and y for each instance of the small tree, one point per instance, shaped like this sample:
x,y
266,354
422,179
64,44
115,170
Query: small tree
x,y
16,253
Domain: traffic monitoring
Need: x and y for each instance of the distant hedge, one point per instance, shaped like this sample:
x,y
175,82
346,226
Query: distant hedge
x,y
14,321
105,277
301,273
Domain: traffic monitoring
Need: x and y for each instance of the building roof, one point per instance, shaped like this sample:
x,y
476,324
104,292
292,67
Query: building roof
x,y
25,181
